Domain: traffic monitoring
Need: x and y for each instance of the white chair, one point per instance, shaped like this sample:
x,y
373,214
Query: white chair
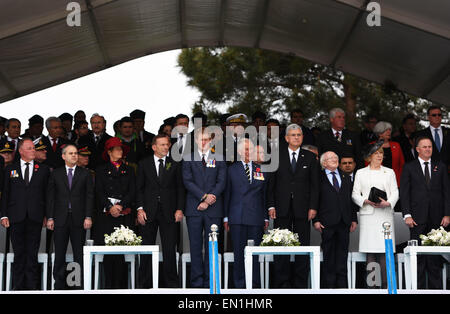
x,y
229,258
69,259
129,258
356,257
186,258
2,260
42,259
444,276
400,263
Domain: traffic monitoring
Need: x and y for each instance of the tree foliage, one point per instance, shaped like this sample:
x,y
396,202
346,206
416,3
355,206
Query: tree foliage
x,y
245,80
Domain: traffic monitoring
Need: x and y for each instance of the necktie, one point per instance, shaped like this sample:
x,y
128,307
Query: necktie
x,y
161,168
203,160
70,177
427,174
54,144
180,144
27,173
247,172
293,162
338,136
335,181
96,139
437,139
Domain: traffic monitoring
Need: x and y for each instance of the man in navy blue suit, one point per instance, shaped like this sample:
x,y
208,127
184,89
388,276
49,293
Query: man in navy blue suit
x,y
246,214
204,176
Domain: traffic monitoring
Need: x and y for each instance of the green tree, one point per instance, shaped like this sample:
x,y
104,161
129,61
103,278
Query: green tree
x,y
245,80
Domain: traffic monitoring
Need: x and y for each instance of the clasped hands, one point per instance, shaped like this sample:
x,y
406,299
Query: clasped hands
x,y
381,204
209,200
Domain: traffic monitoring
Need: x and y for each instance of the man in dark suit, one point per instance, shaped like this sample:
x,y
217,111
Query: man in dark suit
x,y
138,117
13,127
439,135
425,201
35,127
297,117
54,142
406,137
335,219
98,125
160,203
204,176
129,138
70,200
182,139
293,199
347,165
245,209
23,209
340,140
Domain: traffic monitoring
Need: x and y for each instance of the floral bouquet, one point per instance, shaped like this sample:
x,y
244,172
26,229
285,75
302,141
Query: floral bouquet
x,y
283,237
122,236
436,237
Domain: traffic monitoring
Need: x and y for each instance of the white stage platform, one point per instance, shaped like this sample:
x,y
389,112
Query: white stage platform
x,y
230,291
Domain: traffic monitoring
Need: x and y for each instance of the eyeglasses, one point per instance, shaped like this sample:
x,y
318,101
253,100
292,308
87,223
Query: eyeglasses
x,y
436,115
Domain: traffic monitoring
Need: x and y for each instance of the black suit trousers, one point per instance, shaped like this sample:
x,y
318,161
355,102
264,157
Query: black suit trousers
x,y
281,263
26,238
431,264
62,234
168,232
335,241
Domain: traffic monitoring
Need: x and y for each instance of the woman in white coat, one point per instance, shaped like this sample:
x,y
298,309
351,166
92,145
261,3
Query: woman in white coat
x,y
373,215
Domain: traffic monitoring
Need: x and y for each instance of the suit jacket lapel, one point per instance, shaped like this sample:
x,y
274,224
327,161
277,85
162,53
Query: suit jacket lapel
x,y
153,170
421,173
75,178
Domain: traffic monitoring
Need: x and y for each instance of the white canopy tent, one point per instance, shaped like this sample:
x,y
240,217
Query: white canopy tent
x,y
411,48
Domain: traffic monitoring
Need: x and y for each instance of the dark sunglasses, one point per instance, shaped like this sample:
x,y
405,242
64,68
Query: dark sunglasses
x,y
436,115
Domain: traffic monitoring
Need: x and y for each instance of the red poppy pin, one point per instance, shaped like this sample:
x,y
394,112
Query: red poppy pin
x,y
258,169
36,167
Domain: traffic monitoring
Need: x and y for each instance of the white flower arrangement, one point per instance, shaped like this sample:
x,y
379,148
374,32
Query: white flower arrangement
x,y
280,237
436,237
122,236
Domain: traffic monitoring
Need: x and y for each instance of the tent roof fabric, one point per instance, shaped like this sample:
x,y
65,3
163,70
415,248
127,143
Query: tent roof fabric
x,y
411,48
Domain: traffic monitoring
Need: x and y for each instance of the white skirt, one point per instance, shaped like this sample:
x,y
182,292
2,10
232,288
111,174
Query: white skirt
x,y
371,232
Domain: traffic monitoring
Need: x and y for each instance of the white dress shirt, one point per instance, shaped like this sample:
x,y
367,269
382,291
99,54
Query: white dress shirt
x,y
422,164
296,154
202,153
330,176
433,133
73,171
157,163
23,167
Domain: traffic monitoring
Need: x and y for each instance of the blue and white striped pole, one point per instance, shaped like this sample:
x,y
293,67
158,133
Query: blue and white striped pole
x,y
214,279
390,261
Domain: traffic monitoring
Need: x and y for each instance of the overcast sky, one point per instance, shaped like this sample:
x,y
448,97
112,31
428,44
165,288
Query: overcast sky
x,y
153,84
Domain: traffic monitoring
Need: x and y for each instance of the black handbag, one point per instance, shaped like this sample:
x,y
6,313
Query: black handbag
x,y
375,194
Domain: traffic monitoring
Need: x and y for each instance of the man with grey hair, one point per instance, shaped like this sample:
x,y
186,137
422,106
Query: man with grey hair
x,y
340,140
245,211
54,142
336,218
292,201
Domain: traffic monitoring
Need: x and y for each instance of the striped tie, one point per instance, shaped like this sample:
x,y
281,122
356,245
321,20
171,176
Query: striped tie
x,y
247,172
